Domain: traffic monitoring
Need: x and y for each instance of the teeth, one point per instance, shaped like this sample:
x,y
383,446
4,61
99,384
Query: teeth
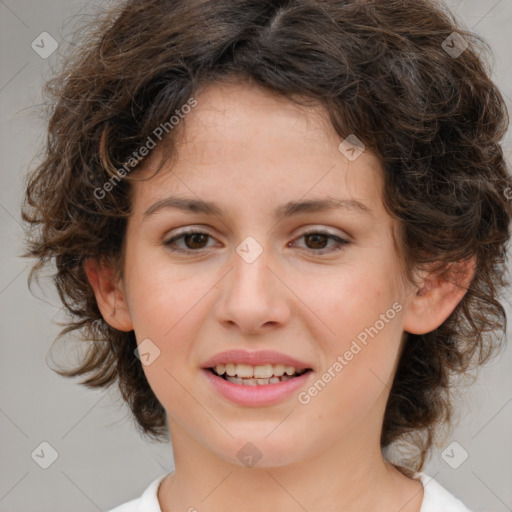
x,y
257,382
263,372
279,370
289,370
247,371
231,369
253,375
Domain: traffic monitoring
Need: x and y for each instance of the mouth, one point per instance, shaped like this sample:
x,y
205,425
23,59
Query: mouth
x,y
261,375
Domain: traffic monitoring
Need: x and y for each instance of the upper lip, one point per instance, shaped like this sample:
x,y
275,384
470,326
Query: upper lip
x,y
254,358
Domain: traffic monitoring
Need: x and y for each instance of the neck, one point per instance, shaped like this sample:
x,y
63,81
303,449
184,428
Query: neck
x,y
334,479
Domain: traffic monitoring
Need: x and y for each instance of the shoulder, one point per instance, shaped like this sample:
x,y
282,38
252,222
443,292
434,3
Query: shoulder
x,y
147,502
436,497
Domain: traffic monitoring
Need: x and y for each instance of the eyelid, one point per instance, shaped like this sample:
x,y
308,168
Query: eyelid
x,y
188,230
325,230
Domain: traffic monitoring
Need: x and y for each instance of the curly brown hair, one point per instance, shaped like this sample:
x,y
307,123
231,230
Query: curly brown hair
x,y
381,69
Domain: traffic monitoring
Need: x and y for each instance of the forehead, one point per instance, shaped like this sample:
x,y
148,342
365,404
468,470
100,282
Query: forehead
x,y
242,143
236,119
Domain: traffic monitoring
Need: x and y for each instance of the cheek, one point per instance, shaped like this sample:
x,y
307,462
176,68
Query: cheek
x,y
363,310
169,311
167,307
162,294
353,299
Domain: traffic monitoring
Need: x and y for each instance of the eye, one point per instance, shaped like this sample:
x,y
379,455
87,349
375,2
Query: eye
x,y
318,240
194,241
197,240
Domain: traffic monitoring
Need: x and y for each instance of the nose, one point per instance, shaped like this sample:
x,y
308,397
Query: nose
x,y
253,298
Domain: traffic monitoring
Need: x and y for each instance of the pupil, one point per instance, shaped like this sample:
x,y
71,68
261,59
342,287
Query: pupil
x,y
315,237
195,236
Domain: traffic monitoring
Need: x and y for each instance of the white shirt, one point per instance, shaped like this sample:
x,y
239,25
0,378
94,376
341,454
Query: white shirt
x,y
435,498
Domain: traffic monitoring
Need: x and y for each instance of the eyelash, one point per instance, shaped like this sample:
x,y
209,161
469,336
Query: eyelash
x,y
340,241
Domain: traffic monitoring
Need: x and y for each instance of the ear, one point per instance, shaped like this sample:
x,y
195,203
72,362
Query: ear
x,y
109,295
437,296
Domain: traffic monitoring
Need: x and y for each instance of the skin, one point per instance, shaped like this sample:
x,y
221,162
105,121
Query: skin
x,y
250,151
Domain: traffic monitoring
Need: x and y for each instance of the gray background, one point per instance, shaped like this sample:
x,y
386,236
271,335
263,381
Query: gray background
x,y
102,461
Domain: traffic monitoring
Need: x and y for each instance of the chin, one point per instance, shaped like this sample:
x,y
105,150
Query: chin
x,y
260,451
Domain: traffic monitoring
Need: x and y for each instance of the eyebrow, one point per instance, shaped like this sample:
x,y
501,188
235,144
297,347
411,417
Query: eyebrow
x,y
288,209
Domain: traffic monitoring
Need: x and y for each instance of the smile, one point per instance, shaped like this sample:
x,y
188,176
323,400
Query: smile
x,y
261,375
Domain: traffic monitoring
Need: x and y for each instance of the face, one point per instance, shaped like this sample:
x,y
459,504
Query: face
x,y
317,289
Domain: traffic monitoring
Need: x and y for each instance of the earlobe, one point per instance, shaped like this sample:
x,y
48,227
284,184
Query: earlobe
x,y
437,296
109,295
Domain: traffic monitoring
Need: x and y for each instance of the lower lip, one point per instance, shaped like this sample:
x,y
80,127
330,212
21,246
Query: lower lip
x,y
265,394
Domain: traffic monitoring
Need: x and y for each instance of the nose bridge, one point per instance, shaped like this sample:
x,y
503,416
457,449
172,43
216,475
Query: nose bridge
x,y
252,296
251,276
